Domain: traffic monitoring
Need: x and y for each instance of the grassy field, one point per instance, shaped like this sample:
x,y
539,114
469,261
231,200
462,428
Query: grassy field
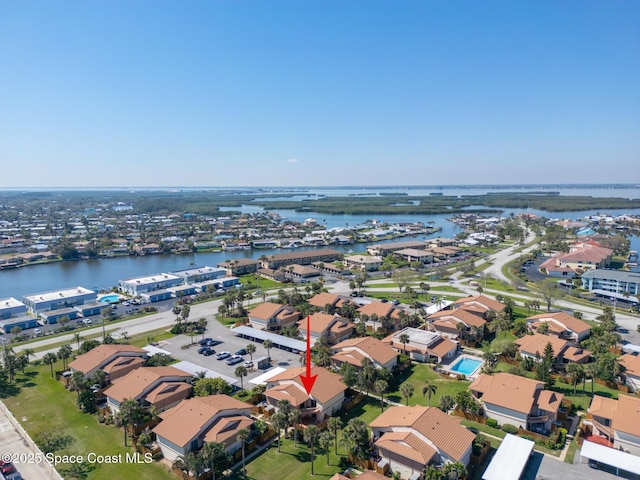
x,y
418,376
43,404
292,463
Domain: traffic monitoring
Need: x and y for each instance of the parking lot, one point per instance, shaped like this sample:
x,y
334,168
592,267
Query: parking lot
x,y
230,343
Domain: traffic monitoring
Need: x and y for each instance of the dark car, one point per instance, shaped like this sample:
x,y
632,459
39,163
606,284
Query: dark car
x,y
242,351
204,341
208,352
201,350
213,343
7,468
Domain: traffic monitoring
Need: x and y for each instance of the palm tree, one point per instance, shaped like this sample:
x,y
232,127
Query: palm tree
x,y
295,417
325,441
191,463
78,339
77,382
311,435
215,455
99,377
130,414
446,403
22,361
380,387
429,389
268,344
251,349
241,371
64,352
575,372
406,389
49,359
279,421
28,352
404,338
334,424
243,435
591,370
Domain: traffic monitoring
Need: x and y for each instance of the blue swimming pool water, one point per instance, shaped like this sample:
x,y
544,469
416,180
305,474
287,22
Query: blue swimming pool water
x,y
110,299
466,366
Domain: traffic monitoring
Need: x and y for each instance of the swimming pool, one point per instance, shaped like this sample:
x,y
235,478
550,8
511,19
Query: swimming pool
x,y
466,365
110,299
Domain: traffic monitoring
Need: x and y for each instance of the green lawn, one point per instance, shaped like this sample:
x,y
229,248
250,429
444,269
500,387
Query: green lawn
x,y
418,376
294,463
43,404
581,399
571,453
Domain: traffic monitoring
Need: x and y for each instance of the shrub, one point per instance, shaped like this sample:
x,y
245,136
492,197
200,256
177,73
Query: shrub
x,y
508,428
492,422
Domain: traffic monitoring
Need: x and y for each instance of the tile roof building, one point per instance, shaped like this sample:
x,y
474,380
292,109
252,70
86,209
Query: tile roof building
x,y
478,305
631,364
216,418
446,322
423,345
533,345
273,316
303,258
578,259
162,387
562,325
355,349
326,396
618,421
115,360
519,401
410,438
331,328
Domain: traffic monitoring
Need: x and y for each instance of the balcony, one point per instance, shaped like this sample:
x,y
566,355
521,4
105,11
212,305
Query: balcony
x,y
538,419
608,431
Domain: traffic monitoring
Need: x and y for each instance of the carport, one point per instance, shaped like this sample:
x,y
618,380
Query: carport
x,y
279,341
510,460
623,463
194,370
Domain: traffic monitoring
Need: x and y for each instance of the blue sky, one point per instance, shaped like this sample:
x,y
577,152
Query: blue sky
x,y
224,93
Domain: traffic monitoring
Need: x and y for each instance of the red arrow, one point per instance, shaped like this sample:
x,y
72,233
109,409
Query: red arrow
x,y
308,380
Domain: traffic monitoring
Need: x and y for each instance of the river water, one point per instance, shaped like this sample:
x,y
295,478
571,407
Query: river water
x,y
105,273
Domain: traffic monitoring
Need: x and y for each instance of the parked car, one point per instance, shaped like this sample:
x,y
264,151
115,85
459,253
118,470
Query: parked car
x,y
37,332
7,467
204,341
201,350
208,352
242,351
248,364
396,302
213,343
223,355
234,359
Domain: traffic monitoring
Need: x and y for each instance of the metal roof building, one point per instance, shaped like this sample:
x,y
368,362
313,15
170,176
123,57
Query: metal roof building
x,y
279,341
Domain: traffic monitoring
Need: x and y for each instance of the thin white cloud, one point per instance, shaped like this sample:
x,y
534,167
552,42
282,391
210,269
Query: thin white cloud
x,y
292,160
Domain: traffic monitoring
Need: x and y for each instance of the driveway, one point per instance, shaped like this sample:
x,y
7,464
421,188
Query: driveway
x,y
544,467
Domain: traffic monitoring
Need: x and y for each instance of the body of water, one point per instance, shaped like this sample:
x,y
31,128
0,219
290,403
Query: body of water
x,y
105,273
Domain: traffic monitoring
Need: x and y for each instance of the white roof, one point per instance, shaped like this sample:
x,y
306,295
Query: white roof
x,y
194,369
198,271
610,456
510,460
438,306
10,302
263,335
153,350
630,347
58,294
158,277
262,379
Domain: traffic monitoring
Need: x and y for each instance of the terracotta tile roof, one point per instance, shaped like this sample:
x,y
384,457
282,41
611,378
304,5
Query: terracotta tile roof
x,y
538,342
226,428
101,355
354,357
576,354
603,407
407,445
320,322
549,400
562,318
309,254
481,384
324,298
166,390
117,367
327,386
443,347
184,422
510,391
631,363
627,418
588,253
375,349
443,430
457,316
376,308
134,383
266,310
479,302
288,391
338,476
369,475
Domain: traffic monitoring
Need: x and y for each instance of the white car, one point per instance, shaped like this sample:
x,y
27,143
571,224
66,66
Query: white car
x,y
37,332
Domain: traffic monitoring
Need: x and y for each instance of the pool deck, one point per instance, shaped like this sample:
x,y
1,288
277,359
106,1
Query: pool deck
x,y
460,357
